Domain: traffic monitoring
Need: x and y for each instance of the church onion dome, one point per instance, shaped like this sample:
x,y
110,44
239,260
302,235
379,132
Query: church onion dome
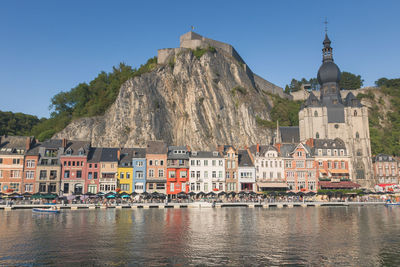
x,y
352,101
329,72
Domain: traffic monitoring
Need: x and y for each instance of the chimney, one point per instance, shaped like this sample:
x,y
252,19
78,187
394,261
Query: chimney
x,y
188,148
119,154
258,147
278,147
64,143
310,142
28,144
250,155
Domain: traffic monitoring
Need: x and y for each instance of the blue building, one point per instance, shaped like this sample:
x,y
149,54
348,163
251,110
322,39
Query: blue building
x,y
139,170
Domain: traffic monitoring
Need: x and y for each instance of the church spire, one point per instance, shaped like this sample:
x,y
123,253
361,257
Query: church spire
x,y
327,50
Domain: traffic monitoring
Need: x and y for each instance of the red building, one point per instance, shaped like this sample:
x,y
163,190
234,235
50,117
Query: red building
x,y
74,167
30,165
177,170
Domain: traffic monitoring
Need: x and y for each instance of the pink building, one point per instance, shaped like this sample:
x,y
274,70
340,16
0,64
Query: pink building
x,y
74,167
93,170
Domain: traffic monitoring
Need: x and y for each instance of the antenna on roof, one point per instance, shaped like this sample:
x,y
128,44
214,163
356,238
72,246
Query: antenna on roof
x,y
326,25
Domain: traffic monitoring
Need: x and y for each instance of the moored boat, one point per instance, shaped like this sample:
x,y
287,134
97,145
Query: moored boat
x,y
43,210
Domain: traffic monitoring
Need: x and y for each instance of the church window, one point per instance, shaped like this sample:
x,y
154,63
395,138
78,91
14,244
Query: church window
x,y
355,112
357,135
336,126
315,113
317,136
359,152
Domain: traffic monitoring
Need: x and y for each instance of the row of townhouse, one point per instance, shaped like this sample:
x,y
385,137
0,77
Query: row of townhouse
x,y
67,167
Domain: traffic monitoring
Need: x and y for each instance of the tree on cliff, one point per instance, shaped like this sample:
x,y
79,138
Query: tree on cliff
x,y
350,81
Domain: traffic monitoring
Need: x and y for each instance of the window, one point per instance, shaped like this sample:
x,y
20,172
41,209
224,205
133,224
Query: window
x,y
78,174
160,186
150,162
125,187
299,154
42,187
156,162
197,186
160,173
227,175
206,187
95,165
139,175
214,174
355,113
172,174
1,161
309,164
343,165
220,174
151,173
16,161
233,164
192,174
66,188
151,186
288,164
192,162
66,174
192,187
95,174
205,162
128,175
320,163
357,135
43,175
299,164
121,175
28,187
206,174
53,174
183,174
214,162
78,189
172,187
229,164
90,165
69,163
73,163
30,175
329,165
198,162
139,163
245,175
198,174
161,162
317,135
336,164
30,164
92,189
221,163
90,175
52,188
315,114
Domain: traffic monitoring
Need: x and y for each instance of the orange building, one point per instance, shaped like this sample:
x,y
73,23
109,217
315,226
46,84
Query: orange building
x,y
30,165
177,170
156,164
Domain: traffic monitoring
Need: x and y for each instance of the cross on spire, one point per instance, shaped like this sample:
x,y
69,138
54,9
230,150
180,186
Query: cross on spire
x,y
326,26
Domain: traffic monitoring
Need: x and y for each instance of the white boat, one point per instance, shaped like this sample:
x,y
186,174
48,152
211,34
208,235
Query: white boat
x,y
46,210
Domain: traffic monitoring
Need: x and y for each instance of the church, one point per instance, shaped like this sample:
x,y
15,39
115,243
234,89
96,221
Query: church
x,y
331,117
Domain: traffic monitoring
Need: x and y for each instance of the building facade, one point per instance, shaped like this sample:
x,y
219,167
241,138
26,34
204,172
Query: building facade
x,y
156,166
177,170
108,169
246,172
386,169
74,167
269,168
92,184
139,170
207,171
125,170
231,158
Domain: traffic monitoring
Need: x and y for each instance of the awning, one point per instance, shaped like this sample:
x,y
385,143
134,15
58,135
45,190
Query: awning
x,y
322,171
339,185
339,171
272,185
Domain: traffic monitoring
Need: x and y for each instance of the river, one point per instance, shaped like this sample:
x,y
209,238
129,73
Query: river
x,y
355,236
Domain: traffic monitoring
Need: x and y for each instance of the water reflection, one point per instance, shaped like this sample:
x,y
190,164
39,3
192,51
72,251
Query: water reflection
x,y
357,236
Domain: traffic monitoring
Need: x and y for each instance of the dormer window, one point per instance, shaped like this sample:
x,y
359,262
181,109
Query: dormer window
x,y
257,154
69,151
81,152
215,153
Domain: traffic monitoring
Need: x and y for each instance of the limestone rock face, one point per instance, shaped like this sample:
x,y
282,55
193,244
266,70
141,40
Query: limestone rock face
x,y
193,101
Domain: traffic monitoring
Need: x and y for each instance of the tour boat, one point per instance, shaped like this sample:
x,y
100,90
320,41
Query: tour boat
x,y
392,204
45,210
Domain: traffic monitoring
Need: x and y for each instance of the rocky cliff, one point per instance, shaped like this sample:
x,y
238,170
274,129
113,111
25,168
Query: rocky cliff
x,y
196,100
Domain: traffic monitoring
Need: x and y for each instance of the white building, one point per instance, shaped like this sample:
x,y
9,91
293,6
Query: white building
x,y
207,172
269,168
246,172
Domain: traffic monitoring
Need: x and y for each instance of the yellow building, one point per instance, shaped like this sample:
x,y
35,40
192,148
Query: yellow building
x,y
125,170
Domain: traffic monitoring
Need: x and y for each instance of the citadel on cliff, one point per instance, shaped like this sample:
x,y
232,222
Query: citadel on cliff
x,y
329,149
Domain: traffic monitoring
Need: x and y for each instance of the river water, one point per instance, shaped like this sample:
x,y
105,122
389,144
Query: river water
x,y
355,236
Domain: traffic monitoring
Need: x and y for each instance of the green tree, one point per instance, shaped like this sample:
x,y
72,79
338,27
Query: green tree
x,y
350,81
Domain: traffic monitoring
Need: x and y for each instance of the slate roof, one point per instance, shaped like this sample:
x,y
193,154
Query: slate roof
x,y
352,101
109,154
244,159
290,134
52,143
383,158
10,144
76,146
34,150
336,143
156,147
287,149
205,154
263,149
94,155
311,101
172,155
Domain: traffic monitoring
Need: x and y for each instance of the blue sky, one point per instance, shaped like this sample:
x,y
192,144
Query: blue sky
x,y
51,46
